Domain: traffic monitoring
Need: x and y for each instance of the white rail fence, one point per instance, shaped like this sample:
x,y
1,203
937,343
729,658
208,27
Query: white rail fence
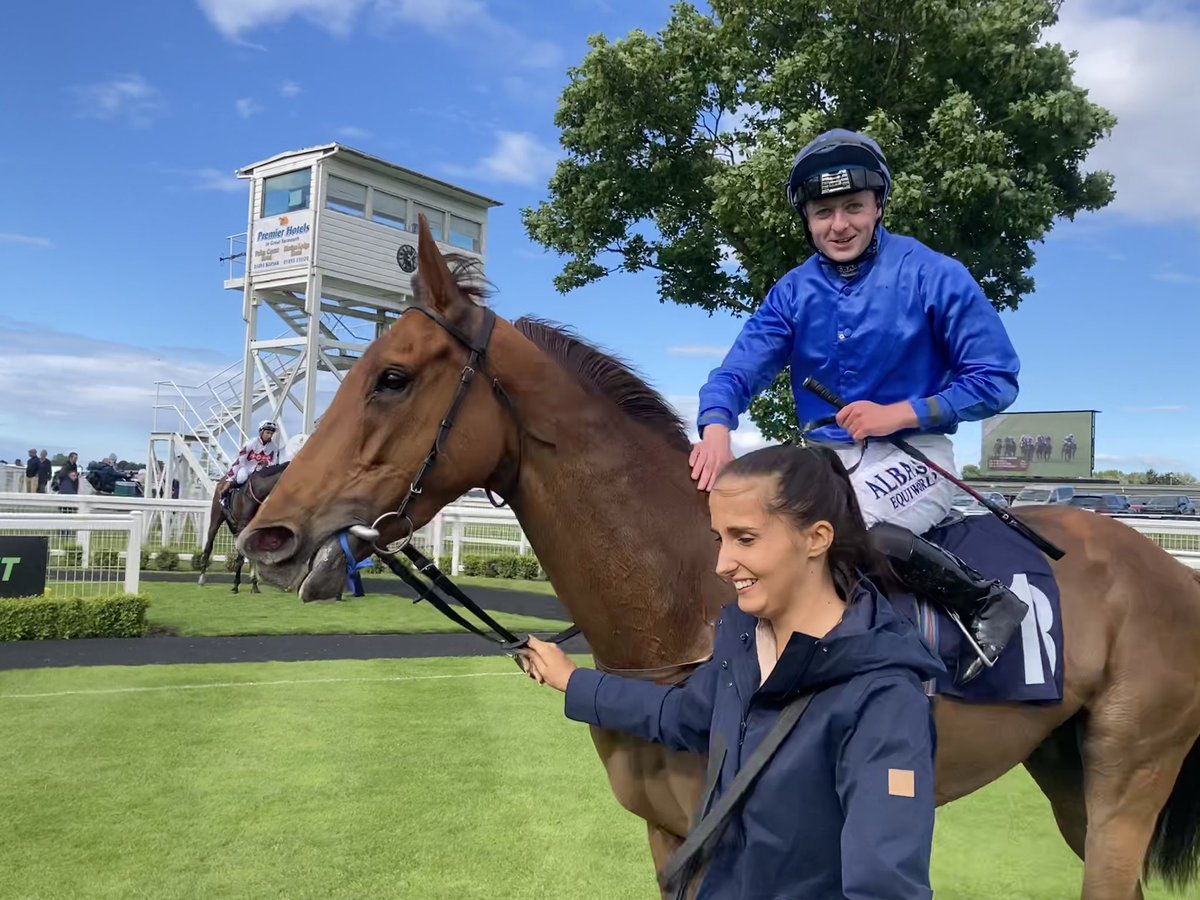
x,y
465,528
90,555
468,527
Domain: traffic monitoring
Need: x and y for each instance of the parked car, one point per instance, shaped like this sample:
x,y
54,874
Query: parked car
x,y
1041,496
1169,505
969,506
1105,504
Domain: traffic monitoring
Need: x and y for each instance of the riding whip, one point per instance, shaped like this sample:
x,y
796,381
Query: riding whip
x,y
999,511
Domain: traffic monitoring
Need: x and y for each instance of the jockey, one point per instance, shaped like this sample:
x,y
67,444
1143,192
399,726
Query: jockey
x,y
263,451
907,336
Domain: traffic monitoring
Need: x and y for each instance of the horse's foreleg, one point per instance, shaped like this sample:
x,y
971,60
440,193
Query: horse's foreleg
x,y
215,521
237,572
254,579
657,784
663,845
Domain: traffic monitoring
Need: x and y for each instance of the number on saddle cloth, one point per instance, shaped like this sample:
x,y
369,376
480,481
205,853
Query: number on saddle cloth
x,y
1030,668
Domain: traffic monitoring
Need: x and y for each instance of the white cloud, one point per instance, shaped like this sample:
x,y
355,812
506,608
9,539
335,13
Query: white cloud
x,y
518,158
290,89
436,15
697,351
128,97
1145,71
234,18
217,180
246,107
1172,277
354,133
464,21
26,240
91,395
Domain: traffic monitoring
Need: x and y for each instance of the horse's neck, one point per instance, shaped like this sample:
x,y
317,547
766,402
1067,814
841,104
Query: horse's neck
x,y
615,520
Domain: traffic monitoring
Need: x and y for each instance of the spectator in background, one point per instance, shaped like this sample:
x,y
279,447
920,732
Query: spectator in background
x,y
107,475
32,467
45,472
68,476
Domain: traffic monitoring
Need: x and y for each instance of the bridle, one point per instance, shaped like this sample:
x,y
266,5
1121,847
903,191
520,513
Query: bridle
x,y
438,580
475,363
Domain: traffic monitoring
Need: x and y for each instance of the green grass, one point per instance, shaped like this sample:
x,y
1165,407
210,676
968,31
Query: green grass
x,y
190,610
543,588
387,778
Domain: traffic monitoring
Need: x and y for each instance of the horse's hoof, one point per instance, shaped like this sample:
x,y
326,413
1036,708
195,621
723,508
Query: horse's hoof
x,y
255,590
233,590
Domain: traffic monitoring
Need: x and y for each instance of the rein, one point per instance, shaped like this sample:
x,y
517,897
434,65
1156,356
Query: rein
x,y
438,582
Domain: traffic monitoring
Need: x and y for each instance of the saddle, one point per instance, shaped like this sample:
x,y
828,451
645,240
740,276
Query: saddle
x,y
1029,670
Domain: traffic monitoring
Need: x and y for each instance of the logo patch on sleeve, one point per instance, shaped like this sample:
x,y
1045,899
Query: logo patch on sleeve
x,y
902,783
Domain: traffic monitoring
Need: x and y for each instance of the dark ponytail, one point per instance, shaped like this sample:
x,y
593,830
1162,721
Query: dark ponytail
x,y
813,485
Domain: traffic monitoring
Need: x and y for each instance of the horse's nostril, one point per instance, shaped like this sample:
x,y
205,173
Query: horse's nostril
x,y
271,539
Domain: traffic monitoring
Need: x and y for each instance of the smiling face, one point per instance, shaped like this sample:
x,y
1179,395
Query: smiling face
x,y
765,555
842,226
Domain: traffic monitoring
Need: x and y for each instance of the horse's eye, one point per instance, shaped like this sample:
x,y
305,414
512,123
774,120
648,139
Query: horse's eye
x,y
392,380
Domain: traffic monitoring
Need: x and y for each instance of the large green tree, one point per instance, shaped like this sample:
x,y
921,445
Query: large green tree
x,y
679,144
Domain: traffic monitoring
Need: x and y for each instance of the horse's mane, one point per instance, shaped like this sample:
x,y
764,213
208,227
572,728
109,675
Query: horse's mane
x,y
609,376
600,372
268,471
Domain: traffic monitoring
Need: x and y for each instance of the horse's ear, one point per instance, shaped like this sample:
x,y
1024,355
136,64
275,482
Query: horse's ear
x,y
440,286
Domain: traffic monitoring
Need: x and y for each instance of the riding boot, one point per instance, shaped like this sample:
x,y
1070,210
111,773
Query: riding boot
x,y
989,611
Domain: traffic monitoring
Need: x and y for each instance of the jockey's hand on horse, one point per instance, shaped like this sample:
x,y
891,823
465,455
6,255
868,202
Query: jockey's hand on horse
x,y
547,664
710,456
864,419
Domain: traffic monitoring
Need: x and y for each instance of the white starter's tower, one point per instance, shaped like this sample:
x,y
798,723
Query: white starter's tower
x,y
328,262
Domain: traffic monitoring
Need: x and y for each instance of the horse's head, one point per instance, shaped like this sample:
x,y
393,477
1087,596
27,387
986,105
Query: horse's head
x,y
385,421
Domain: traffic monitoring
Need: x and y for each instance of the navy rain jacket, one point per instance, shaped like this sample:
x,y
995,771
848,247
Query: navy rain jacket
x,y
845,807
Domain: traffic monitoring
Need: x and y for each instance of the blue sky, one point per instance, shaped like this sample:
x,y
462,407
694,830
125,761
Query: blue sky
x,y
125,122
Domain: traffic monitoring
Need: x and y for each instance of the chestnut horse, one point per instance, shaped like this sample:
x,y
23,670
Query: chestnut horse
x,y
594,465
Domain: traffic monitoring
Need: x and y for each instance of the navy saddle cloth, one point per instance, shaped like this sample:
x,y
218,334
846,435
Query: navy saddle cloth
x,y
1030,669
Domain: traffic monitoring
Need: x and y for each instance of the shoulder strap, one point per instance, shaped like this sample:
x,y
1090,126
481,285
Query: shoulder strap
x,y
691,855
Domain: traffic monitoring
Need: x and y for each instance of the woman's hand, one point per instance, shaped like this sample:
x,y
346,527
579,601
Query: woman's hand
x,y
547,664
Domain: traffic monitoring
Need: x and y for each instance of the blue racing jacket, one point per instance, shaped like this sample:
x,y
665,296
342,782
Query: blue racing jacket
x,y
913,325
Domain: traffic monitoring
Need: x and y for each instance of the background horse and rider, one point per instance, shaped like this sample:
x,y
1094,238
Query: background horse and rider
x,y
594,464
235,515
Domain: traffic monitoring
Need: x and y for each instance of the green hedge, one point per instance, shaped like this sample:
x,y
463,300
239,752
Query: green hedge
x,y
55,618
508,566
107,559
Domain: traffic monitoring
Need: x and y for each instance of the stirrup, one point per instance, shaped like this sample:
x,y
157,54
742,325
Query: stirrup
x,y
971,670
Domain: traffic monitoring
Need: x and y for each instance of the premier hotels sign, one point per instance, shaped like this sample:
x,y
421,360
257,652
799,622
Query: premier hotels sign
x,y
281,242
